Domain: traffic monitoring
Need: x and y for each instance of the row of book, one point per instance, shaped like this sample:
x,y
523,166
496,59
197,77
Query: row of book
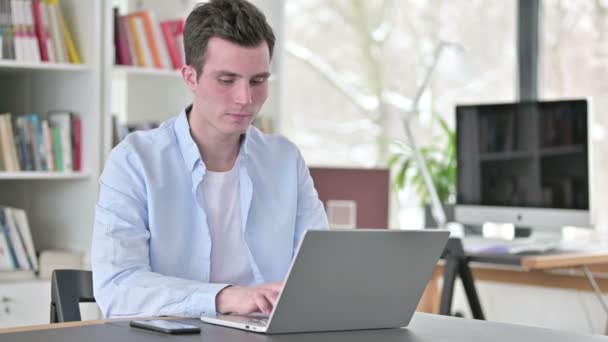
x,y
121,130
35,31
141,40
32,142
17,251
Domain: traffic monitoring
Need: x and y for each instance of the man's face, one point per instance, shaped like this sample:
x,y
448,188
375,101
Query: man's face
x,y
232,87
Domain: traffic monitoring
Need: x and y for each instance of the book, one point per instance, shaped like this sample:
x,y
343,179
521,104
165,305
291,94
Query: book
x,y
16,241
59,48
33,51
77,142
10,152
72,53
6,143
48,144
8,246
136,41
23,226
6,262
172,31
63,121
151,43
57,149
41,30
121,49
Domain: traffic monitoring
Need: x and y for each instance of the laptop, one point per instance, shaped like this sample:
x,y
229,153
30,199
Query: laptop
x,y
350,279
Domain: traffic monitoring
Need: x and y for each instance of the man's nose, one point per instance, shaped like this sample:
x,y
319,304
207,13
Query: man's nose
x,y
242,94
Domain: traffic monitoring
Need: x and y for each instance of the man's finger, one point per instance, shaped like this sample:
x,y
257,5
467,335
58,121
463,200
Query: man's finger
x,y
271,295
276,286
263,303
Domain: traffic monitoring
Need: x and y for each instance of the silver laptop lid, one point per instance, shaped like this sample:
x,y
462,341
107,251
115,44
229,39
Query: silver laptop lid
x,y
356,279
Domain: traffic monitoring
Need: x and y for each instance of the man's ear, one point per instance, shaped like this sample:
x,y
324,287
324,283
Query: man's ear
x,y
190,77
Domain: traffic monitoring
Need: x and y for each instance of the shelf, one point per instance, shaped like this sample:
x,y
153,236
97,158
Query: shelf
x,y
123,70
43,175
562,150
507,155
15,65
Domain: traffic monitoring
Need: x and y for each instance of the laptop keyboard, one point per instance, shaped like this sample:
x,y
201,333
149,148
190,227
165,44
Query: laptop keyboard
x,y
246,319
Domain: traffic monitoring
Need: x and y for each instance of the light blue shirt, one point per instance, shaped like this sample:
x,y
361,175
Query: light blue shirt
x,y
151,243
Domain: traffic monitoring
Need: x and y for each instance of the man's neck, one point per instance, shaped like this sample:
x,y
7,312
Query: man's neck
x,y
218,151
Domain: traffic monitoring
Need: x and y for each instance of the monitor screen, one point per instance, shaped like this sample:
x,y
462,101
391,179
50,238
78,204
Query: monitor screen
x,y
523,155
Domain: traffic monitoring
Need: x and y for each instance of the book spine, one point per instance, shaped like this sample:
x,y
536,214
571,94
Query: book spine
x,y
72,53
136,41
58,44
32,140
48,145
24,228
165,27
32,41
57,148
44,14
77,142
16,241
40,31
40,144
145,46
11,251
25,159
144,17
11,142
6,154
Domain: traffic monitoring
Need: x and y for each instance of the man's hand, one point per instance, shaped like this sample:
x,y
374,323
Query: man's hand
x,y
245,300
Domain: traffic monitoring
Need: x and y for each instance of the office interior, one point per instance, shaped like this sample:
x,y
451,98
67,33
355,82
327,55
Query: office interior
x,y
349,78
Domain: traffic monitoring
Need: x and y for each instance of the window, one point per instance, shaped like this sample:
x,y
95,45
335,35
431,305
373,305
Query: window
x,y
574,64
352,68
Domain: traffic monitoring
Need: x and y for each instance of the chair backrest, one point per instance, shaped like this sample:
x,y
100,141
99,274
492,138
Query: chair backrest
x,y
68,289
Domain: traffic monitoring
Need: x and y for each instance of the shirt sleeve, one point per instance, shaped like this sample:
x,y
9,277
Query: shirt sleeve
x,y
310,211
123,282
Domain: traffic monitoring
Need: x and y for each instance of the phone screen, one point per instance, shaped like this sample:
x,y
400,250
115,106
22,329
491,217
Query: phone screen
x,y
168,327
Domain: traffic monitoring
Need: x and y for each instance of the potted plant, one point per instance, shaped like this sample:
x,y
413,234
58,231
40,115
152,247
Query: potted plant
x,y
440,158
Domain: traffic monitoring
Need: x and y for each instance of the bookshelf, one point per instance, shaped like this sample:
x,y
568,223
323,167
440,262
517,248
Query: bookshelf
x,y
43,175
61,205
8,65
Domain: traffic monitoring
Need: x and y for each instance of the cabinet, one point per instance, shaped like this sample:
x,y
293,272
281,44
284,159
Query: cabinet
x,y
24,303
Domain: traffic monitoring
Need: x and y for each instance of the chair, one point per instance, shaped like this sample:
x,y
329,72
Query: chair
x,y
68,289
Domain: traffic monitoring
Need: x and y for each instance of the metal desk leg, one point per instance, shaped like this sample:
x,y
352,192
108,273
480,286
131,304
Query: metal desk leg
x,y
597,291
469,287
450,271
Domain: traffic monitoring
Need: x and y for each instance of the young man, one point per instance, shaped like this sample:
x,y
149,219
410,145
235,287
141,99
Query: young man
x,y
203,214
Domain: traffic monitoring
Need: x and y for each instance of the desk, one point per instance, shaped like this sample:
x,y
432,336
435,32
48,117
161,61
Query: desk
x,y
557,270
423,328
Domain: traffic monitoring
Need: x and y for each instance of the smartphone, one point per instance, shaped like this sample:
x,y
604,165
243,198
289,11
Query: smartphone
x,y
167,327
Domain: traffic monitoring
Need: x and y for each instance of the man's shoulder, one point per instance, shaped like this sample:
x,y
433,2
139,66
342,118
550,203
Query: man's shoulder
x,y
260,142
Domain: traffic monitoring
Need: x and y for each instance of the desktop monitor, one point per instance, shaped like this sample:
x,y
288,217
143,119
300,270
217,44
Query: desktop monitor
x,y
523,163
353,198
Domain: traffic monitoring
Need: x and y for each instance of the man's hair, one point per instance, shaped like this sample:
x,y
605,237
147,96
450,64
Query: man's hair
x,y
237,21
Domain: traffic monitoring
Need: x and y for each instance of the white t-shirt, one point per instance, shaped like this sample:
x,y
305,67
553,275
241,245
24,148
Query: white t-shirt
x,y
229,254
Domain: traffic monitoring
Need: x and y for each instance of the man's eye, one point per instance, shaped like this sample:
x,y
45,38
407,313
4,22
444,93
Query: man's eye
x,y
226,80
258,80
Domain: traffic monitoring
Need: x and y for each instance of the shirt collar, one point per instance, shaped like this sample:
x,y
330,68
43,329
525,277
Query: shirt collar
x,y
188,146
